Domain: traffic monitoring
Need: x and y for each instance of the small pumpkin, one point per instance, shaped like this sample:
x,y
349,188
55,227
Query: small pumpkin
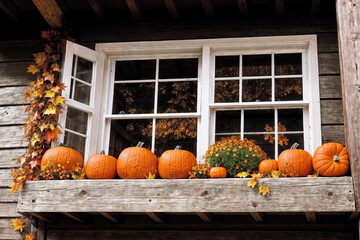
x,y
101,166
331,160
176,163
136,162
63,155
218,172
267,166
295,162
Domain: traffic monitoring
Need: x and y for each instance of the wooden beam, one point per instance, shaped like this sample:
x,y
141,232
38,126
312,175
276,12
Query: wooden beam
x,y
243,7
315,7
258,217
171,7
46,217
51,11
348,21
206,217
157,217
80,217
353,216
97,8
208,7
37,228
310,217
279,7
134,9
9,9
113,216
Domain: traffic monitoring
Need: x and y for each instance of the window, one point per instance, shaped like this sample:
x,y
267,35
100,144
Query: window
x,y
192,93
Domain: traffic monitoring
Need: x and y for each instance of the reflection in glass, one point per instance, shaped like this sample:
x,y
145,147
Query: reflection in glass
x,y
219,137
267,146
82,93
292,138
256,90
177,97
288,89
84,70
178,68
75,141
291,119
227,66
288,64
257,120
227,91
131,98
76,120
228,121
135,69
256,65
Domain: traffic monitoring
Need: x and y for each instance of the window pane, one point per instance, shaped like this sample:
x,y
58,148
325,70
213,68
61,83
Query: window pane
x,y
265,142
172,132
127,133
290,120
287,140
227,91
228,122
177,97
288,89
227,66
82,92
133,98
258,120
84,70
256,65
75,141
256,90
288,64
76,120
178,68
135,70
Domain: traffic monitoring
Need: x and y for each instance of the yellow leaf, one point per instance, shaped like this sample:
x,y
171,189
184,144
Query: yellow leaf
x,y
275,174
43,126
314,175
252,183
242,174
264,190
150,176
256,175
50,110
51,93
48,49
29,237
33,69
14,187
57,100
55,67
18,224
35,138
39,58
52,127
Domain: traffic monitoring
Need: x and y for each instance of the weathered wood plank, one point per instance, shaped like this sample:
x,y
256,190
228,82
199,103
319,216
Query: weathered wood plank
x,y
348,17
14,137
7,232
206,217
114,217
327,43
157,217
51,11
333,133
330,87
12,96
310,217
37,228
46,217
258,217
19,51
80,217
210,195
331,112
5,178
13,115
7,155
329,63
353,216
14,73
8,210
5,196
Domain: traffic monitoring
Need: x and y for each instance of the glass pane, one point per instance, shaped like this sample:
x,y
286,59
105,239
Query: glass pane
x,y
133,98
76,120
219,137
135,70
258,120
256,90
127,133
177,97
290,120
288,64
227,91
84,70
227,66
178,68
228,122
288,89
265,142
74,141
82,93
287,140
256,65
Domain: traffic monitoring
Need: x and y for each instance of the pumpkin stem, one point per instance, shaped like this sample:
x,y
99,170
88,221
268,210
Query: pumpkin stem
x,y
294,146
102,152
178,147
63,145
336,159
140,144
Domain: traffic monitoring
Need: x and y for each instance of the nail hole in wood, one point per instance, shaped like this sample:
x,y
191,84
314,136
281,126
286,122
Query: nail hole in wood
x,y
254,204
33,201
204,193
149,200
83,192
330,194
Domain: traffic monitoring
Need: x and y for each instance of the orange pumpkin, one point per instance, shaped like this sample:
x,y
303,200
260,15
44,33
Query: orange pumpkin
x,y
331,160
101,166
267,166
218,172
63,155
176,163
295,162
136,162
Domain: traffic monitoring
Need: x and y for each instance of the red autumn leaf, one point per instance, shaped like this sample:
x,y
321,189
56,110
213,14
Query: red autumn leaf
x,y
51,135
45,35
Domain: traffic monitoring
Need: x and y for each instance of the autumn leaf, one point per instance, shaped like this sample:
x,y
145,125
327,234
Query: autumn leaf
x,y
43,126
57,100
48,49
45,35
51,135
242,174
50,78
55,67
27,94
33,164
18,224
256,175
40,58
151,176
33,69
29,237
50,110
313,175
252,183
14,187
35,138
52,127
275,174
264,190
51,93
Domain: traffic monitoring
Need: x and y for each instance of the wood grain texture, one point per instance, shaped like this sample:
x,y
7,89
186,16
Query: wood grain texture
x,y
12,96
14,73
333,133
330,87
5,178
7,232
331,112
5,196
13,115
51,11
327,42
19,51
348,17
188,196
329,63
6,157
8,210
14,137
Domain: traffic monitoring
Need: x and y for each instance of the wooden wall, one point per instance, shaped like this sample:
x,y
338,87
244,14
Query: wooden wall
x,y
16,56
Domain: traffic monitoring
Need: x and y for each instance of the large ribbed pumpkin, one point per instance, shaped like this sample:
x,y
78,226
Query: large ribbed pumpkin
x,y
295,162
101,166
136,163
63,155
176,163
267,166
331,160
